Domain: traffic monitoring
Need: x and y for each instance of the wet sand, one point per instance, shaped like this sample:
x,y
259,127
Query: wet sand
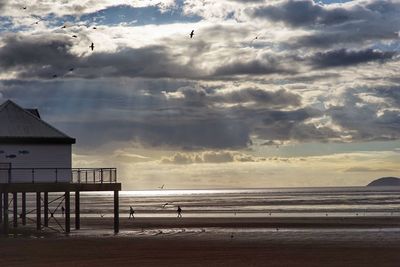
x,y
212,242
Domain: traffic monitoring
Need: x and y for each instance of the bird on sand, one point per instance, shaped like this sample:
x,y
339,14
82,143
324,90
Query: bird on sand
x,y
191,34
71,69
91,46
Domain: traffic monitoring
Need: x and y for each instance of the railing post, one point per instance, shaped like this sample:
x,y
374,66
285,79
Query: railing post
x,y
101,175
56,175
33,176
85,176
79,176
9,175
94,176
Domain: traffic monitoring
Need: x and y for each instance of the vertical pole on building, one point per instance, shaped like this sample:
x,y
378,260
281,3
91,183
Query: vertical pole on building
x,y
38,212
46,209
77,211
116,212
67,212
15,209
5,213
1,207
23,207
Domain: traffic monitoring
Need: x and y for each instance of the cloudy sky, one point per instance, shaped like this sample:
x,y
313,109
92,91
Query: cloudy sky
x,y
266,94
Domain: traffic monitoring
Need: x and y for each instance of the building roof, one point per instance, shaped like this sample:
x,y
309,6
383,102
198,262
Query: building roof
x,y
18,125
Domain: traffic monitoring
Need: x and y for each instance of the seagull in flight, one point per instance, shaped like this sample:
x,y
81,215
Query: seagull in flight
x,y
163,206
91,46
191,34
77,37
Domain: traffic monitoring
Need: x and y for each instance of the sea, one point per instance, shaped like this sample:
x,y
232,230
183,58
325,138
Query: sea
x,y
276,202
343,202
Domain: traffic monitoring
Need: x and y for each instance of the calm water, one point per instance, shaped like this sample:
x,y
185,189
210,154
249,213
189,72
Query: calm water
x,y
352,201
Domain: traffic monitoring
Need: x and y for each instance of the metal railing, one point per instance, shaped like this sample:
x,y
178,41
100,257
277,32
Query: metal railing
x,y
58,175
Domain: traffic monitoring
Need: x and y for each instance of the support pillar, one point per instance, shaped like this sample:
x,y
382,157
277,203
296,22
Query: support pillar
x,y
67,212
77,211
116,212
15,210
23,208
1,207
5,213
46,209
38,212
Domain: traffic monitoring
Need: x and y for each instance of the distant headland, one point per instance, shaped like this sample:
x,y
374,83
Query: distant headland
x,y
385,181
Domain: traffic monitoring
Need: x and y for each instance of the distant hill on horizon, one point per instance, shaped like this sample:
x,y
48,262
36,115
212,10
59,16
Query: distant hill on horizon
x,y
385,181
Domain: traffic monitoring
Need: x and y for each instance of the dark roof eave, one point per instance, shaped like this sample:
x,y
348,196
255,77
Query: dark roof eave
x,y
36,140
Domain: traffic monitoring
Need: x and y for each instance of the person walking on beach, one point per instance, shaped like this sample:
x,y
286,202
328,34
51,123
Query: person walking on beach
x,y
131,213
179,211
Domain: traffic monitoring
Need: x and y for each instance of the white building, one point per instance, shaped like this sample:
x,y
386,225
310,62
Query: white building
x,y
32,149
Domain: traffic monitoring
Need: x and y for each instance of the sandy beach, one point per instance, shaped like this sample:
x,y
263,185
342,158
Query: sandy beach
x,y
211,242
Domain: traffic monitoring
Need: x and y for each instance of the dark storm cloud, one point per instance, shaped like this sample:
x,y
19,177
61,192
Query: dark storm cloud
x,y
304,12
308,13
118,111
280,98
45,55
344,57
365,121
254,67
351,24
20,53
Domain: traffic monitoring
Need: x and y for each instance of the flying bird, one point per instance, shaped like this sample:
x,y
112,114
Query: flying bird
x,y
71,69
23,152
161,187
64,26
24,7
191,34
76,37
91,46
55,76
12,156
165,205
94,28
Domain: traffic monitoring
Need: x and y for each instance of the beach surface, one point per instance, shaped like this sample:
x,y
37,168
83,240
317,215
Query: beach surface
x,y
210,242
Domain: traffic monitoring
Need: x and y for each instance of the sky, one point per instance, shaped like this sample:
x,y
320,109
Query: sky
x,y
275,93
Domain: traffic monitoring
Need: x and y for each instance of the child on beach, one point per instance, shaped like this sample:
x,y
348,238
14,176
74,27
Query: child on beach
x,y
131,213
179,211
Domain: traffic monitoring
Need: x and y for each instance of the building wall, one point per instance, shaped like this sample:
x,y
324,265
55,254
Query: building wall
x,y
50,156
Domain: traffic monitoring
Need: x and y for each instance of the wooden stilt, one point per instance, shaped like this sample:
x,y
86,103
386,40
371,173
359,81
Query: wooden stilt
x,y
67,212
116,211
23,208
5,213
15,209
46,209
1,207
38,212
77,211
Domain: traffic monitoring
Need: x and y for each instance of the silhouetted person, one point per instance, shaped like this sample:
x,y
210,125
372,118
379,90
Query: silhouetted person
x,y
131,213
62,211
191,34
179,211
91,46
